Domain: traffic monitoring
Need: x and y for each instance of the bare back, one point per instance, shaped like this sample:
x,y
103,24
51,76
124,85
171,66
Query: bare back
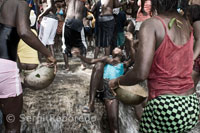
x,y
107,7
75,9
193,2
8,12
179,36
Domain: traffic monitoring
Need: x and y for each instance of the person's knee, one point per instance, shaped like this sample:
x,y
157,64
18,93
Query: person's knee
x,y
12,131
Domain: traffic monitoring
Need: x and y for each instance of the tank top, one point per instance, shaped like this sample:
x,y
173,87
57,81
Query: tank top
x,y
9,40
112,72
171,68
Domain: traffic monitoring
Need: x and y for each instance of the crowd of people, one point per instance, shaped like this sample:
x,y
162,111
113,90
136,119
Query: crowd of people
x,y
153,40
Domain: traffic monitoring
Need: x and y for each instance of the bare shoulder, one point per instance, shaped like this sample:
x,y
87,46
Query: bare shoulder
x,y
150,25
196,23
22,5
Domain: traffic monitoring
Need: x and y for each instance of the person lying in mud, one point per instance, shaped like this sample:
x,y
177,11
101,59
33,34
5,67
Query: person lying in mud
x,y
112,67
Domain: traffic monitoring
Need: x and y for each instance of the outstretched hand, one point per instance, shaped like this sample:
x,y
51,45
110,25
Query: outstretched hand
x,y
129,36
129,39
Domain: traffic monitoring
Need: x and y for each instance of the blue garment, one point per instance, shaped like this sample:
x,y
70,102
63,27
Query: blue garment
x,y
112,72
60,12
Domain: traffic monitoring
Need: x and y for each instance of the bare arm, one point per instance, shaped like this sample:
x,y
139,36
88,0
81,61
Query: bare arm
x,y
197,39
130,45
48,9
144,56
93,61
24,30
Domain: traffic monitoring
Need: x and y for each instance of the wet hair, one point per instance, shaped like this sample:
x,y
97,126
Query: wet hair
x,y
162,6
194,13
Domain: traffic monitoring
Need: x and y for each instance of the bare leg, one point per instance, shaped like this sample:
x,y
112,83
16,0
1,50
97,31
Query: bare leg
x,y
11,109
95,83
139,111
96,52
66,61
112,108
52,50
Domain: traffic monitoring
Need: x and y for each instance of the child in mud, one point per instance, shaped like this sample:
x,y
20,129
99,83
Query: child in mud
x,y
109,68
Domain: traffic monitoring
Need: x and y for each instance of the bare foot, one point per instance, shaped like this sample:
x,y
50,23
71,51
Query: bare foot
x,y
83,67
88,109
66,68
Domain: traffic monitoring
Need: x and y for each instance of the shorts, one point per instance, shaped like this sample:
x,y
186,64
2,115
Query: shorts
x,y
10,85
72,38
120,38
138,25
107,94
88,31
47,31
105,30
196,66
170,114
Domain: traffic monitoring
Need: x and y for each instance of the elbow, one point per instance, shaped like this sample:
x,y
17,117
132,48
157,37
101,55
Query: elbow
x,y
23,34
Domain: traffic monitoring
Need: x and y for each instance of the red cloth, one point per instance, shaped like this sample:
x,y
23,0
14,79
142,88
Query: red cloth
x,y
171,69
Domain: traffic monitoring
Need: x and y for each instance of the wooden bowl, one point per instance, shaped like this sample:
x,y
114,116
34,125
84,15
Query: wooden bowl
x,y
131,95
40,79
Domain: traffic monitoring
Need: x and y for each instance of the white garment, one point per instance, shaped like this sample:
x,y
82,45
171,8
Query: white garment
x,y
47,31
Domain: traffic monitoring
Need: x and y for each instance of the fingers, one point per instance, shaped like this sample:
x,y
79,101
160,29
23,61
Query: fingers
x,y
113,92
55,69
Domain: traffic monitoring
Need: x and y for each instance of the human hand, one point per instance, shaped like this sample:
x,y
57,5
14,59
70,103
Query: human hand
x,y
129,36
76,52
52,63
129,39
113,84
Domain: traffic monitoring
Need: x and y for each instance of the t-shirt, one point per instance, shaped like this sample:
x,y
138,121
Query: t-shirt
x,y
27,54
